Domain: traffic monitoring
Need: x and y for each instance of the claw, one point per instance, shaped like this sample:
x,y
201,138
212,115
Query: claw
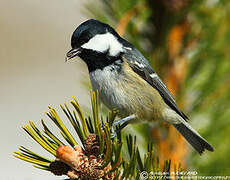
x,y
125,122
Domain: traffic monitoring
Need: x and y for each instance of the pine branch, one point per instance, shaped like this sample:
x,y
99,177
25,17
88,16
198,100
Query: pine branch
x,y
99,157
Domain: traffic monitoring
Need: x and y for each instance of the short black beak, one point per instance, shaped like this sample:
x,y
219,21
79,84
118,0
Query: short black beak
x,y
72,53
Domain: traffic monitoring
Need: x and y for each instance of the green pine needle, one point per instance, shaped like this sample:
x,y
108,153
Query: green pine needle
x,y
109,149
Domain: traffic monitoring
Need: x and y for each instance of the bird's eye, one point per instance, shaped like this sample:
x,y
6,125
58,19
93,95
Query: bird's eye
x,y
85,37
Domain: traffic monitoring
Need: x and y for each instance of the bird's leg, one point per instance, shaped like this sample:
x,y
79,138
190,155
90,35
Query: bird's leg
x,y
125,122
126,119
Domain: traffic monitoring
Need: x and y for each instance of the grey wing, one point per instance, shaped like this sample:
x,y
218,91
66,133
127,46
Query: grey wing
x,y
141,66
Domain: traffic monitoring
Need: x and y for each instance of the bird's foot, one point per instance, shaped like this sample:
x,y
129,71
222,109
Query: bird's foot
x,y
120,124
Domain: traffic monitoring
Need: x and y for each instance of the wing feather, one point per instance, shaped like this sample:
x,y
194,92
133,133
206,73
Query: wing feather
x,y
141,66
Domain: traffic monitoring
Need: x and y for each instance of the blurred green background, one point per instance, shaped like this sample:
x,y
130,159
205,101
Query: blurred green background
x,y
188,44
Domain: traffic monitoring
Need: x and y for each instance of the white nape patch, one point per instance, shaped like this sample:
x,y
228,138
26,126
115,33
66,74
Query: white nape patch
x,y
103,43
153,75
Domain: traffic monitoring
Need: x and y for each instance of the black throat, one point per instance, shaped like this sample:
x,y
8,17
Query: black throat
x,y
96,60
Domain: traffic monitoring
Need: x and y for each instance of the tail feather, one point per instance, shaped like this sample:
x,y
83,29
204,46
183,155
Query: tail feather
x,y
198,143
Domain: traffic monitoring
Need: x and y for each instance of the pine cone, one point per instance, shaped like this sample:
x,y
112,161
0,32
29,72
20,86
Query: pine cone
x,y
94,170
59,168
80,164
91,145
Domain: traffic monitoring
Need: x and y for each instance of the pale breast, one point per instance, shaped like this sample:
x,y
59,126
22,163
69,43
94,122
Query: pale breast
x,y
127,92
106,81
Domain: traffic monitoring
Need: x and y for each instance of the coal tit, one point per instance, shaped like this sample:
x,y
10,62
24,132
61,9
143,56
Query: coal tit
x,y
126,81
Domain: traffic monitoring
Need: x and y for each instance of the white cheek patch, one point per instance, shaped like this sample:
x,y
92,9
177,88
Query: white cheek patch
x,y
103,43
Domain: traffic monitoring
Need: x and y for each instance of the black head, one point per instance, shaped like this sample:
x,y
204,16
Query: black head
x,y
87,30
98,44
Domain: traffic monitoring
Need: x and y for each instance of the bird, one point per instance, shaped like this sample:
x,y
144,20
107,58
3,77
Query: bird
x,y
126,81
